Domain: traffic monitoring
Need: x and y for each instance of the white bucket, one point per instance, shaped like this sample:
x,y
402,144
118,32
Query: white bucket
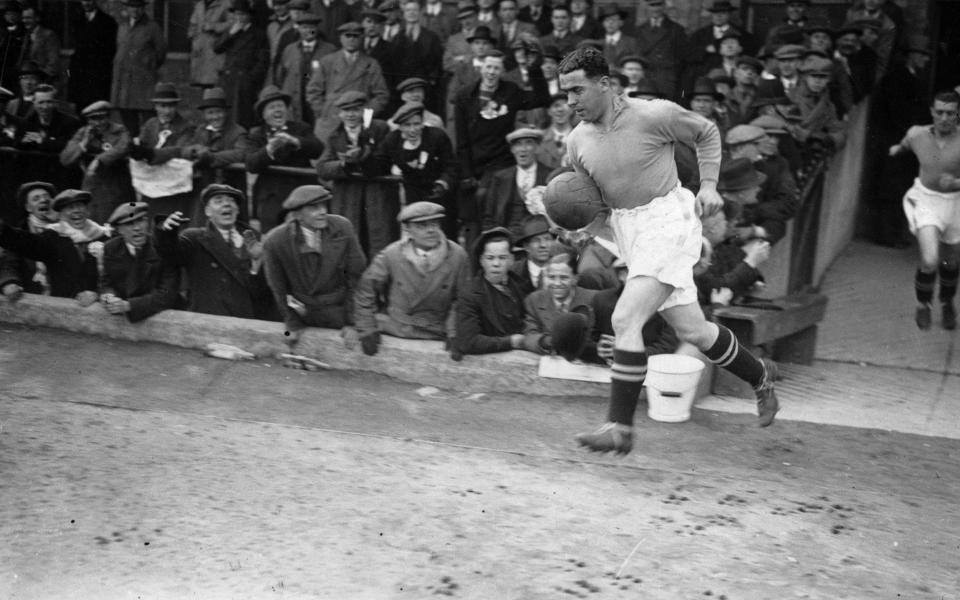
x,y
671,384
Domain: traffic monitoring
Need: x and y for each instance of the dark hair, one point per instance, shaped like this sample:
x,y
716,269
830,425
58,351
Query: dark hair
x,y
589,59
562,7
947,97
497,237
563,254
45,88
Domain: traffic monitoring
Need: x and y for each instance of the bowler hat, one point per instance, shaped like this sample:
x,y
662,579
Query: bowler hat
x,y
569,334
28,187
411,82
611,10
749,61
409,109
305,195
739,174
718,75
484,237
532,226
421,211
100,107
788,34
128,212
165,93
789,51
268,95
213,97
525,133
770,91
309,19
820,27
350,99
704,86
646,87
721,6
482,32
742,134
218,189
68,197
350,27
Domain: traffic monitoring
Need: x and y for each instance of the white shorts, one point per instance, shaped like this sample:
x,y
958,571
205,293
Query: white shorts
x,y
662,239
925,207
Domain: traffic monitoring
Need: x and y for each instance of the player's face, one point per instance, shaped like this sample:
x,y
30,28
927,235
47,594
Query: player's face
x,y
496,260
525,152
945,117
560,280
589,98
425,235
538,248
703,105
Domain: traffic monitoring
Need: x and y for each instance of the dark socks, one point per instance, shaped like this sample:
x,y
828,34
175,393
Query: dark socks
x,y
726,352
923,283
627,374
948,282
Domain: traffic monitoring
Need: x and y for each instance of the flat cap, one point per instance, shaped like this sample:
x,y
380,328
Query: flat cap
x,y
268,95
28,187
770,124
165,93
411,82
100,107
739,174
128,212
816,65
741,134
351,99
484,237
350,27
466,10
421,211
213,97
788,51
308,19
525,133
305,195
406,111
68,197
633,58
219,189
749,61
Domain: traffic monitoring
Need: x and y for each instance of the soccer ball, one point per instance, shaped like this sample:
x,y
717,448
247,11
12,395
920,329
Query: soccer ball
x,y
573,200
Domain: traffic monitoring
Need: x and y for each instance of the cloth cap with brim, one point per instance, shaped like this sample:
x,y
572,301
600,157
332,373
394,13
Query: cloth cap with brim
x,y
788,34
704,86
68,197
409,109
165,93
309,19
525,133
388,5
128,212
98,108
770,124
739,174
351,99
28,187
29,67
820,27
493,54
789,51
611,10
421,211
351,27
218,189
569,334
466,10
6,95
850,27
268,95
373,15
816,65
532,226
496,232
742,134
771,88
482,32
721,6
411,82
306,195
551,51
213,97
751,62
633,58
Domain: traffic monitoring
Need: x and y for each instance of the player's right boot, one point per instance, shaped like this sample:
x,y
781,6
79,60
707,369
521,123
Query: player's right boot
x,y
610,437
923,317
767,404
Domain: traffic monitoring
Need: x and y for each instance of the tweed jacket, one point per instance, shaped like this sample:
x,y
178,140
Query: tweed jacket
x,y
146,281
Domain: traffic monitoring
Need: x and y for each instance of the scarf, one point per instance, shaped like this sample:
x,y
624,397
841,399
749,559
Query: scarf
x,y
91,231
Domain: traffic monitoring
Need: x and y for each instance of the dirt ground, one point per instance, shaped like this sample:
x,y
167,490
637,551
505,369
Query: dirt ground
x,y
144,471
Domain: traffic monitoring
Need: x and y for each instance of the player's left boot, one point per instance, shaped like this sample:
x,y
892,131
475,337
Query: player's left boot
x,y
949,316
767,404
610,437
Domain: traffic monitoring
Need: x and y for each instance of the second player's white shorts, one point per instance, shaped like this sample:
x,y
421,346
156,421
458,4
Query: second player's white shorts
x,y
662,239
925,207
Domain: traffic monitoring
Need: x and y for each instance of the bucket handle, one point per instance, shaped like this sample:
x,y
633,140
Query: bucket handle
x,y
671,394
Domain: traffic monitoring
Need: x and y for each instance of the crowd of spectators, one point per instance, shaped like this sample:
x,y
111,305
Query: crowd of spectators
x,y
380,169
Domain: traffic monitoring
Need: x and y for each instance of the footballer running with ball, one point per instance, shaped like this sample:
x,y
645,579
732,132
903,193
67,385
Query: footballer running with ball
x,y
625,145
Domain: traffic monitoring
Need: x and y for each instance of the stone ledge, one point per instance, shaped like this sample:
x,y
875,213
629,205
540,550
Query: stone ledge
x,y
415,361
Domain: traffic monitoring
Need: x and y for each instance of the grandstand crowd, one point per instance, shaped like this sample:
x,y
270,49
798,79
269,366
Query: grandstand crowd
x,y
380,168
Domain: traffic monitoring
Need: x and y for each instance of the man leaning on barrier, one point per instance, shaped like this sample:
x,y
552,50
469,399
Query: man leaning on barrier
x,y
312,264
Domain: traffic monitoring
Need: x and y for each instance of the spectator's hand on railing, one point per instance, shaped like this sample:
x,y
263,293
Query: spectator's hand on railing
x,y
86,298
370,343
757,252
174,221
115,306
12,292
